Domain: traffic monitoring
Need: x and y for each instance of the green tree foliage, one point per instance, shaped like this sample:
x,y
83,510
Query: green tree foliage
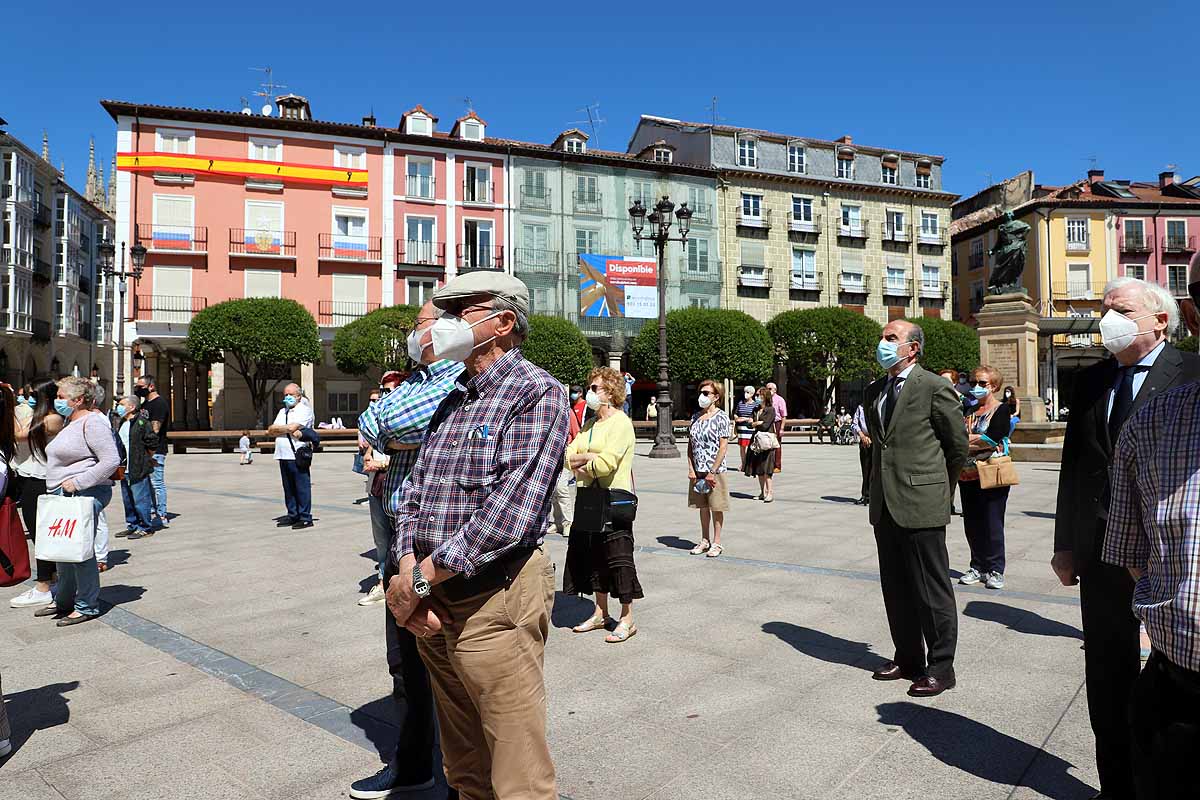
x,y
558,347
257,338
704,343
949,345
834,344
368,343
1187,344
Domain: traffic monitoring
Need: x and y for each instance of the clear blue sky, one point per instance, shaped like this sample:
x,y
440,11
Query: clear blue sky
x,y
1044,85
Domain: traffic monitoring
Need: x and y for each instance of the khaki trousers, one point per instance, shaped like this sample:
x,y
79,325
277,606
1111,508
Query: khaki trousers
x,y
486,670
563,502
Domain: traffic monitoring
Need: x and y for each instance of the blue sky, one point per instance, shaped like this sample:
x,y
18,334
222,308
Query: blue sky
x,y
1043,85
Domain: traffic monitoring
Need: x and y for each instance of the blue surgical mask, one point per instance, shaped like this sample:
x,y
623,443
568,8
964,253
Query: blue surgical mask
x,y
62,407
980,391
122,410
887,353
32,401
20,398
289,400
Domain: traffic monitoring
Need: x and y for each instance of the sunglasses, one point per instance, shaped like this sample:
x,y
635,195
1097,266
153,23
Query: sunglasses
x,y
706,393
595,387
979,383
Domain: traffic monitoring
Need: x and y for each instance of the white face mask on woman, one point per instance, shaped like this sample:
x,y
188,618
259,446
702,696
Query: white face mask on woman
x,y
594,401
452,337
705,400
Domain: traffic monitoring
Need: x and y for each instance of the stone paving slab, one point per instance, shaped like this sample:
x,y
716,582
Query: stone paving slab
x,y
236,664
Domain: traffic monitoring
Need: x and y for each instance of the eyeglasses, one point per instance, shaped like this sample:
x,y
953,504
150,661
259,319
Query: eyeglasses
x,y
979,383
595,387
384,391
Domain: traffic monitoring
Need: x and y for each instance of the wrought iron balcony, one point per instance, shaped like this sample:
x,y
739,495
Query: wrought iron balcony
x,y
754,276
588,202
854,229
801,224
530,260
854,283
40,330
932,237
702,271
167,308
760,220
347,247
335,313
896,233
534,196
260,242
1077,290
471,258
934,289
1137,243
1081,245
702,213
42,217
420,187
477,192
420,253
897,287
806,283
173,238
1179,244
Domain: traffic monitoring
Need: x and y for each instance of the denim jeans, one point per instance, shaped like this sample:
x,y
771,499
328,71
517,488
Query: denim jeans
x,y
381,531
139,505
297,491
158,479
79,584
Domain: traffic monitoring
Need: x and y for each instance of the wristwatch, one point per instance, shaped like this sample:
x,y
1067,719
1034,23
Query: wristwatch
x,y
420,585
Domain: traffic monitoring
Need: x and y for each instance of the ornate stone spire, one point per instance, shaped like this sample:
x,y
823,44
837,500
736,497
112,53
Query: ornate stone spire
x,y
91,190
110,204
45,146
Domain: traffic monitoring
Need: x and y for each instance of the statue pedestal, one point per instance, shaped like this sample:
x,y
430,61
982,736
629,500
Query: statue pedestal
x,y
1008,341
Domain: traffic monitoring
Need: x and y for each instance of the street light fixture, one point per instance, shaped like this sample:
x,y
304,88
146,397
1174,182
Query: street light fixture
x,y
137,257
659,232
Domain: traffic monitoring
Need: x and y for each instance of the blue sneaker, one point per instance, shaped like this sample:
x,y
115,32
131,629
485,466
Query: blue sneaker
x,y
385,783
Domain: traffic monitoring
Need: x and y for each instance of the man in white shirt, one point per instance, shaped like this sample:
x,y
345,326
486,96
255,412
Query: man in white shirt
x,y
297,485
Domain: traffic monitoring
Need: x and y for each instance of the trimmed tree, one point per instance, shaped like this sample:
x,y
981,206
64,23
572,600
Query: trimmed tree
x,y
558,347
704,343
368,342
1187,344
256,338
827,344
948,344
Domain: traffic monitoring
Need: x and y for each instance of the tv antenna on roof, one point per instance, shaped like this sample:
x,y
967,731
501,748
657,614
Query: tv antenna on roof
x,y
269,85
246,106
470,108
1092,161
593,120
1172,167
716,118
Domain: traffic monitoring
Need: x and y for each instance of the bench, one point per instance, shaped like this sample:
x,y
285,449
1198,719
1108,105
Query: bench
x,y
328,436
226,441
648,428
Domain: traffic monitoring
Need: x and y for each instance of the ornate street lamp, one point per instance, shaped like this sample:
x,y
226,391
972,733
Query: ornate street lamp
x,y
659,220
137,257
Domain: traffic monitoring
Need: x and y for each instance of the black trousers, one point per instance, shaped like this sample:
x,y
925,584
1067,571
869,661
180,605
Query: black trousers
x,y
864,464
1111,662
1166,730
413,699
983,521
914,573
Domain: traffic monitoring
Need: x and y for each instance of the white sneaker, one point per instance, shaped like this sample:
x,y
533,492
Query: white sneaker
x,y
376,595
5,747
995,580
31,597
971,577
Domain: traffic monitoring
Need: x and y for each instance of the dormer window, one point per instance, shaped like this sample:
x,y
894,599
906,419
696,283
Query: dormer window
x,y
574,145
747,152
663,155
420,125
472,131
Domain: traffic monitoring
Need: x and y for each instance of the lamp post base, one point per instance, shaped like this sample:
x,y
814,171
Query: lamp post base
x,y
664,447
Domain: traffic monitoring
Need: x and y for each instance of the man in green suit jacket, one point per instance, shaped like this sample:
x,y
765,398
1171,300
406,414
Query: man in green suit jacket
x,y
915,422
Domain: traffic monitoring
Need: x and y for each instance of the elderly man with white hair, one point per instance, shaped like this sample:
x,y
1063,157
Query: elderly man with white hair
x,y
1139,318
297,484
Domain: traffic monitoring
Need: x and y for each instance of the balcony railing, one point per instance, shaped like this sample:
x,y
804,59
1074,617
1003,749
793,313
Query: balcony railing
x,y
762,219
335,313
22,258
702,213
854,229
811,224
1179,244
529,260
854,283
588,202
934,289
348,247
40,330
700,271
534,197
42,217
421,187
754,276
896,233
1081,245
420,253
932,237
1077,290
259,242
1137,243
173,238
167,308
475,258
478,192
805,283
897,287
85,284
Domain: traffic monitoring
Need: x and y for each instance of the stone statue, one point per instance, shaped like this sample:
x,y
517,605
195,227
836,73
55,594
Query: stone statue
x,y
1009,253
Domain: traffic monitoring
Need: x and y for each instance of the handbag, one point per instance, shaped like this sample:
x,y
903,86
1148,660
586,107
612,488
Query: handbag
x,y
596,508
66,528
997,471
763,441
14,552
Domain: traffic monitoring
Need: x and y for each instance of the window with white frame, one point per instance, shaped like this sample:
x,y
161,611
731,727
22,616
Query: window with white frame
x,y
642,190
845,167
697,256
477,187
851,220
699,301
419,244
747,152
262,283
587,188
895,225
752,271
662,155
894,279
349,157
420,291
264,227
349,298
751,206
574,145
535,244
890,174
1079,281
1077,233
587,241
418,177
924,180
929,224
802,208
171,299
478,240
804,269
853,279
420,125
931,278
1135,271
262,149
1177,279
171,140
472,130
533,190
1135,234
171,228
350,233
1176,234
698,202
796,159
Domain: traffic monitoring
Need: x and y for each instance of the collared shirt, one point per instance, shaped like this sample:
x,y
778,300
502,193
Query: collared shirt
x,y
780,406
302,414
489,464
1154,519
403,417
900,379
859,423
1139,375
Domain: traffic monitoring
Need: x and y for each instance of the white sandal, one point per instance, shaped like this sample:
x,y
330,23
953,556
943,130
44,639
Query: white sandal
x,y
715,551
701,548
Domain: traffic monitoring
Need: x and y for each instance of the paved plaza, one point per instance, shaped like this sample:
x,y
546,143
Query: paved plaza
x,y
233,661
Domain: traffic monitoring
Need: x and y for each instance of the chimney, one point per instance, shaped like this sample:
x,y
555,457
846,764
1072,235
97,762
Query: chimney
x,y
1095,176
844,140
1167,178
369,121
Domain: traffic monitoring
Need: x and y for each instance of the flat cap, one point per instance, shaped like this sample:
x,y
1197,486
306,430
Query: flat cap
x,y
487,282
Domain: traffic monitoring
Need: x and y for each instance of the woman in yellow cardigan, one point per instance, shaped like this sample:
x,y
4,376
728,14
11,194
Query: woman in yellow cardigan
x,y
600,562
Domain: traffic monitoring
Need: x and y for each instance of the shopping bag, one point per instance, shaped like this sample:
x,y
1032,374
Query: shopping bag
x,y
66,528
14,552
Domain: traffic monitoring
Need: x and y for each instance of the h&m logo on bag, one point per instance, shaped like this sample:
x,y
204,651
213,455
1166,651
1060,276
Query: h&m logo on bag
x,y
62,528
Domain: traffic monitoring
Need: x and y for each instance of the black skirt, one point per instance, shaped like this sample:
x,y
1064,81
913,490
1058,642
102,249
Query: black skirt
x,y
601,562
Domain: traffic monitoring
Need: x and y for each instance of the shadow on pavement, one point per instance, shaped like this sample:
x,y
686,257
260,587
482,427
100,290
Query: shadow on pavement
x,y
974,748
743,496
570,610
824,647
1040,514
1020,620
377,719
676,542
118,557
120,594
832,498
366,584
37,709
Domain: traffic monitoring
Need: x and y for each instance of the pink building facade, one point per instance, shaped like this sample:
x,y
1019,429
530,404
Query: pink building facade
x,y
1158,231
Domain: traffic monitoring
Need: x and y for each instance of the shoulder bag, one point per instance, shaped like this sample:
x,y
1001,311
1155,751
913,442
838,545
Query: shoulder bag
x,y
996,472
597,507
14,552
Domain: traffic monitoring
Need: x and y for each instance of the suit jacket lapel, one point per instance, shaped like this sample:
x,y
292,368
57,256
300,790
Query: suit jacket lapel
x,y
911,382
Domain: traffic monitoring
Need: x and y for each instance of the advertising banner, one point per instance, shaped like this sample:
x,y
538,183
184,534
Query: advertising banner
x,y
618,286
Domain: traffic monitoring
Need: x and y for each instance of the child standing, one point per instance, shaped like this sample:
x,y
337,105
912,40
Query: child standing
x,y
244,449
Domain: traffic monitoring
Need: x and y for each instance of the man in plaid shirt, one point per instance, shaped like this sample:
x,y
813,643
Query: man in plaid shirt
x,y
473,581
395,425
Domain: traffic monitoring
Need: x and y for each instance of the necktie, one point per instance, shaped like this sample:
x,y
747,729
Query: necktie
x,y
893,394
1122,401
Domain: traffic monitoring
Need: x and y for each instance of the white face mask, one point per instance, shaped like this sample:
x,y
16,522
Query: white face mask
x,y
452,337
593,401
705,400
414,345
1118,331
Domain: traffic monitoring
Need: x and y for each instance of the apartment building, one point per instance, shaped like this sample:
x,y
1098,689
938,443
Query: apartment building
x,y
52,294
805,222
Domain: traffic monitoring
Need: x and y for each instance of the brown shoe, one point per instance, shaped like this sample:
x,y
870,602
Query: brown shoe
x,y
930,686
68,621
891,671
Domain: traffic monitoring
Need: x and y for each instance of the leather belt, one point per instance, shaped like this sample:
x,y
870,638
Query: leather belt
x,y
495,576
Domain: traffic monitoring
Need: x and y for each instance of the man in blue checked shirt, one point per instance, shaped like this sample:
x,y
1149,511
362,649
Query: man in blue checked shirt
x,y
473,580
395,424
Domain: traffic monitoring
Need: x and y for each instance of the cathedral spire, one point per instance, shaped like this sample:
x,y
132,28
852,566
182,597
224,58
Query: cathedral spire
x,y
45,146
110,204
91,190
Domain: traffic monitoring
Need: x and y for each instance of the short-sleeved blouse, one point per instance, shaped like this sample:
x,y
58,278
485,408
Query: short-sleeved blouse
x,y
706,434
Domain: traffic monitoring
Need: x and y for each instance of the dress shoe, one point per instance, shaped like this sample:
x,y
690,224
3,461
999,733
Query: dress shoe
x,y
891,671
299,526
930,686
286,522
